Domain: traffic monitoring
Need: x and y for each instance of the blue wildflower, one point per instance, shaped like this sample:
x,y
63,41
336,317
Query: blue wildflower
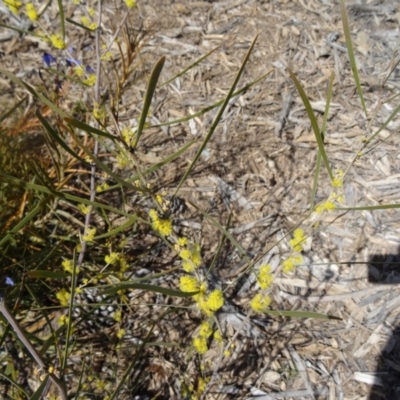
x,y
89,69
71,62
9,281
48,59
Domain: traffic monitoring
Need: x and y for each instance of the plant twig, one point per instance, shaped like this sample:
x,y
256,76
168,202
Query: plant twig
x,y
26,342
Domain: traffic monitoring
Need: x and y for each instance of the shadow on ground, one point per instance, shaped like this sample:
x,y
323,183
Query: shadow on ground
x,y
385,269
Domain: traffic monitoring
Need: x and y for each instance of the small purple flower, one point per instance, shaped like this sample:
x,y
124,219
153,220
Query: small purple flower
x,y
71,62
48,59
89,69
9,281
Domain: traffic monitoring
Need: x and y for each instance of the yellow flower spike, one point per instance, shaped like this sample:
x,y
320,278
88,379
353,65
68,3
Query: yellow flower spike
x,y
63,297
90,80
63,320
188,284
290,263
215,300
182,241
185,254
13,5
112,258
260,302
129,136
298,238
200,344
218,336
31,12
130,3
264,276
205,330
57,41
163,227
121,333
203,287
187,266
84,209
90,234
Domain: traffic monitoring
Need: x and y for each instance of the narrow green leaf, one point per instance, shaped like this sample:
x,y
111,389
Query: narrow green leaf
x,y
13,28
44,274
370,208
217,117
39,392
90,129
313,120
323,133
301,314
142,286
131,221
15,384
71,21
29,217
62,18
155,75
383,126
352,58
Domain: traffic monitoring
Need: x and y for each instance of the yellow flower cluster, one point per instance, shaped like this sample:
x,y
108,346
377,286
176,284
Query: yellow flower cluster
x,y
90,80
129,136
260,302
98,111
290,263
189,284
101,188
84,209
130,3
112,258
57,41
264,277
121,333
68,266
63,297
211,303
88,23
31,12
189,253
162,226
298,240
337,181
200,341
325,206
13,5
89,235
